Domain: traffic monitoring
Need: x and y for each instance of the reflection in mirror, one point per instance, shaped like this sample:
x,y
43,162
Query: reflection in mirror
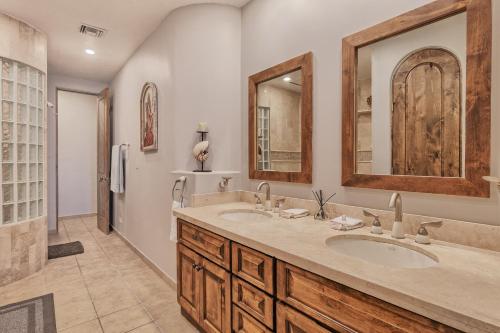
x,y
410,102
278,127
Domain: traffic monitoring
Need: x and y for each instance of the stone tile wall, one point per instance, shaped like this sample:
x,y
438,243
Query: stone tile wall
x,y
23,249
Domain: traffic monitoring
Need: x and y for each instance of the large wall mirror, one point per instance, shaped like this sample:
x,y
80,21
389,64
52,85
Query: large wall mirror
x,y
280,122
416,101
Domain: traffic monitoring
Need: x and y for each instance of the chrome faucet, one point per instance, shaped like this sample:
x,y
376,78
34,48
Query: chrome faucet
x,y
267,204
397,228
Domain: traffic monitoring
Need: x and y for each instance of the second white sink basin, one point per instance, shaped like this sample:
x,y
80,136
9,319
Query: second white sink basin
x,y
245,215
382,251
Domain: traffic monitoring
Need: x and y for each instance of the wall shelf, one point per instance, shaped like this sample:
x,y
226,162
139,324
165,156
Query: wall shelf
x,y
493,180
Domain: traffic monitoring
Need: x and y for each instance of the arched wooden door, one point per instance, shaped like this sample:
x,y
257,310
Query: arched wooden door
x,y
426,116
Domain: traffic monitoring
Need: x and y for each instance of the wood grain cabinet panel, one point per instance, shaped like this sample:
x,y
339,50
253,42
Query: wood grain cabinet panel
x,y
215,298
253,266
188,282
208,244
254,301
336,305
244,323
290,321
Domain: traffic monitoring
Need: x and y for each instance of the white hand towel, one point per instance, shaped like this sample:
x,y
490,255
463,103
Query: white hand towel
x,y
173,222
345,223
294,213
117,173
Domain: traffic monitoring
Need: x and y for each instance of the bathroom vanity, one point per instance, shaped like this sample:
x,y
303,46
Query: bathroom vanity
x,y
279,275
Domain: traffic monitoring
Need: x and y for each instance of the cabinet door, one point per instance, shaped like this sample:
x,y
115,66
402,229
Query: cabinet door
x,y
290,321
188,279
215,302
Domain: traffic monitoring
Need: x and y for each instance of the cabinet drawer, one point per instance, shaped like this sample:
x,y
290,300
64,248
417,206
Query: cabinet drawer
x,y
254,301
208,244
290,321
254,267
339,306
244,323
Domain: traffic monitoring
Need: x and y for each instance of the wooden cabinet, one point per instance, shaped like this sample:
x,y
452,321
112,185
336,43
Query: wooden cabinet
x,y
208,244
244,323
254,267
254,301
341,307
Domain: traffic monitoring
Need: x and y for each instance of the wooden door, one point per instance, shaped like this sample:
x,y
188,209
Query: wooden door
x,y
426,115
215,301
103,161
188,280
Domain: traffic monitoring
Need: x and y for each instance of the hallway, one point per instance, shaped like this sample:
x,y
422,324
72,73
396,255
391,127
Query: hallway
x,y
109,288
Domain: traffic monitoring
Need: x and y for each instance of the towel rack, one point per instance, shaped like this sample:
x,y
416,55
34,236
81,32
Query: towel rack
x,y
182,181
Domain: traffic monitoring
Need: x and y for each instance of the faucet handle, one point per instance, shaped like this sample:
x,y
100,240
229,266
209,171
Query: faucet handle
x,y
278,202
376,225
422,234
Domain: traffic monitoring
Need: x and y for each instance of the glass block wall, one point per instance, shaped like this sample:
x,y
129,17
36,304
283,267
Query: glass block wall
x,y
22,158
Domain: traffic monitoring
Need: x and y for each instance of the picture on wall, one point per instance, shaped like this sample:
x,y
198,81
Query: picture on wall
x,y
149,117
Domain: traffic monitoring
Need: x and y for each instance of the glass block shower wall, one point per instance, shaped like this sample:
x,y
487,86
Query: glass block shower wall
x,y
22,158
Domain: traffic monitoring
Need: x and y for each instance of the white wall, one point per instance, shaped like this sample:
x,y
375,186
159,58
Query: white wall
x,y
449,34
194,59
54,82
77,153
277,30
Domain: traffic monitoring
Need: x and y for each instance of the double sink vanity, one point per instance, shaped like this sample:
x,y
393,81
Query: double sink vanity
x,y
247,270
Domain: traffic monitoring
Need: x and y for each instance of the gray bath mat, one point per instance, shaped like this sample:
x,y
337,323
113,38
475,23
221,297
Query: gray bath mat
x,y
64,250
35,315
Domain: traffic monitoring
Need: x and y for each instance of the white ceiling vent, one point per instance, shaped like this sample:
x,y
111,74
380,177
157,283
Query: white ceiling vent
x,y
92,31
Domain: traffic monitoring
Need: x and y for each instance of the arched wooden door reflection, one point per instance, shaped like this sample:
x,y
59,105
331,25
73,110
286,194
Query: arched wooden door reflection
x,y
426,119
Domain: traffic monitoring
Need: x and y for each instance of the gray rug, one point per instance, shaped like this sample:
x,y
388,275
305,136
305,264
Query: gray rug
x,y
35,315
64,250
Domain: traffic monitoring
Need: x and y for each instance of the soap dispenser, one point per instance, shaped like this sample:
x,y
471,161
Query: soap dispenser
x,y
397,227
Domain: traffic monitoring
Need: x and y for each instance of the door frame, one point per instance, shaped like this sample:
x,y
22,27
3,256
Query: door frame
x,y
58,89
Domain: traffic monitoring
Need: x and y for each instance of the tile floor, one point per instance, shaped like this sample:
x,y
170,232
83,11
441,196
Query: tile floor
x,y
107,289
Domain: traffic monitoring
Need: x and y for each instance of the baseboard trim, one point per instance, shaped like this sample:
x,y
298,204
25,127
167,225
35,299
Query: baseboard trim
x,y
164,276
69,217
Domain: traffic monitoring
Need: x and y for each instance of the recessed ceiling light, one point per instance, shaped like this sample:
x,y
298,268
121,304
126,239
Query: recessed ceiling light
x,y
90,51
287,79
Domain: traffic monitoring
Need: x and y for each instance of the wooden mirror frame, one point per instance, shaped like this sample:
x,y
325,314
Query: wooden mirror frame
x,y
477,109
304,63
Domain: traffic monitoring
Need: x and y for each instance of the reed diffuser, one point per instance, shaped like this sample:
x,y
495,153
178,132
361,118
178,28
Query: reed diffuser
x,y
318,196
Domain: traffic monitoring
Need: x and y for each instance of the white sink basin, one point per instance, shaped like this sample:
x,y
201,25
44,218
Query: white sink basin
x,y
382,251
245,215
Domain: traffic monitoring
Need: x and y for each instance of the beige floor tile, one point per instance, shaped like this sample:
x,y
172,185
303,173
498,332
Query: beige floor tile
x,y
173,321
108,281
148,328
111,296
58,238
159,307
24,289
73,307
125,320
92,326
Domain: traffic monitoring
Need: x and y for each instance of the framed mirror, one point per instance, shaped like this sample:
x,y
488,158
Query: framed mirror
x,y
416,101
280,122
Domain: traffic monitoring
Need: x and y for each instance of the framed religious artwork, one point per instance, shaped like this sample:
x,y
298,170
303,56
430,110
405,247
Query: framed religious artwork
x,y
149,117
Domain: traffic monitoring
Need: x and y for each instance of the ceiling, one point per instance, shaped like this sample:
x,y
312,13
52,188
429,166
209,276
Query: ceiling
x,y
128,23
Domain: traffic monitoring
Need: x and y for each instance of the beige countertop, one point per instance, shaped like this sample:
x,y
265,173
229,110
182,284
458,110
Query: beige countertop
x,y
462,291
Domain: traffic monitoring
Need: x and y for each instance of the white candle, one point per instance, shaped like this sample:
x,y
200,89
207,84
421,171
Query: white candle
x,y
202,127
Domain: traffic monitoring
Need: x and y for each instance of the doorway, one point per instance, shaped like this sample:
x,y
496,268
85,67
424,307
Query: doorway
x,y
77,126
